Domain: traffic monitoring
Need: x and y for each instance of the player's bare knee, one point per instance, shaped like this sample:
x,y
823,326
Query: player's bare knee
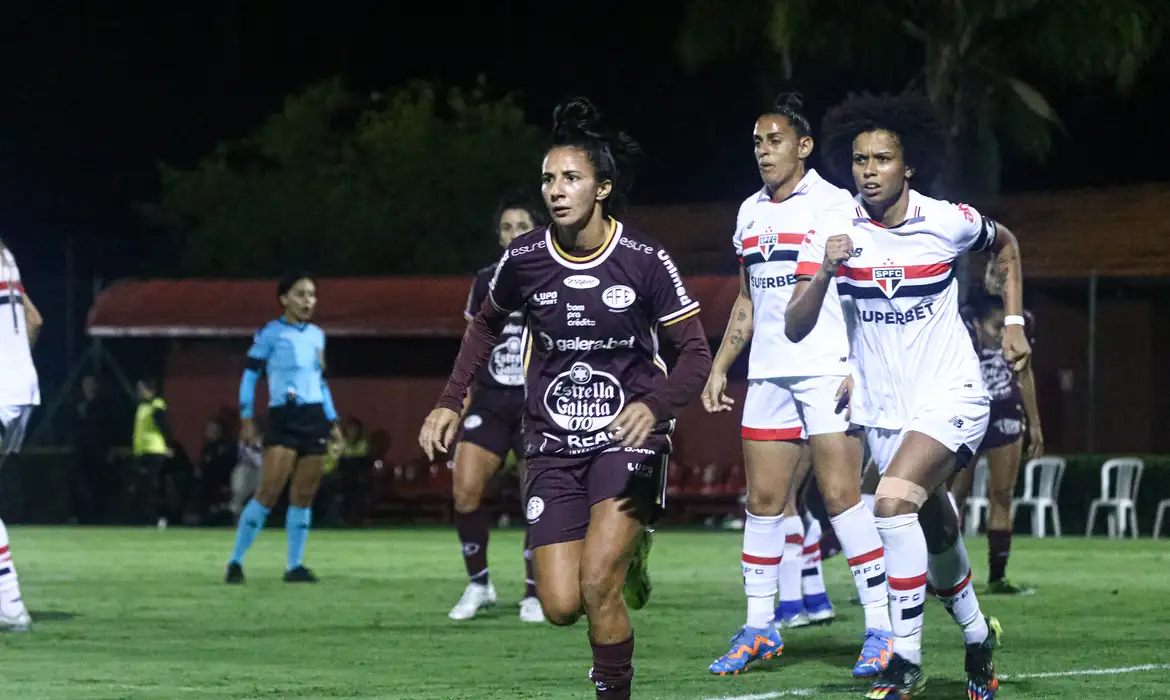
x,y
897,496
561,611
764,503
839,496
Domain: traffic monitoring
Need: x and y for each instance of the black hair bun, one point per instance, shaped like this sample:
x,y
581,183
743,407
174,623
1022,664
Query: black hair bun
x,y
576,118
789,101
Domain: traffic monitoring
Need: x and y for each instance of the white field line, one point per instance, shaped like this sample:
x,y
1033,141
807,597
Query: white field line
x,y
806,692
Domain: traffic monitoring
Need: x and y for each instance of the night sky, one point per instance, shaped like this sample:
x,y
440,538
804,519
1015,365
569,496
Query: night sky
x,y
94,97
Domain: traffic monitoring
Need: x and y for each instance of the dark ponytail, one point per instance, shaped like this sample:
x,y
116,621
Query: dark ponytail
x,y
791,106
577,124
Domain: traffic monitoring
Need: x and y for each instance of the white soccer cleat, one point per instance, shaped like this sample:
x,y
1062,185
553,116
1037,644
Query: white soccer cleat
x,y
14,617
798,620
530,610
475,597
820,617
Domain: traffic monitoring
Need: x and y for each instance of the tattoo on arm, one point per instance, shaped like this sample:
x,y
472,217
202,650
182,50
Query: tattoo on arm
x,y
737,339
742,315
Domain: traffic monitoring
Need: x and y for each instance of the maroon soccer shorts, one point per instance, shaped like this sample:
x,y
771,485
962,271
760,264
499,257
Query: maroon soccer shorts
x,y
493,421
561,490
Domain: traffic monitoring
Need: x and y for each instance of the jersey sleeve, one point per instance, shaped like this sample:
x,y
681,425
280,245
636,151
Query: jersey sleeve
x,y
670,302
476,295
737,237
834,220
261,347
504,289
811,255
969,230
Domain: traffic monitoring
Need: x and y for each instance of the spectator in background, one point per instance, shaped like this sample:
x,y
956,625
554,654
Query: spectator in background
x,y
213,472
355,470
152,451
86,476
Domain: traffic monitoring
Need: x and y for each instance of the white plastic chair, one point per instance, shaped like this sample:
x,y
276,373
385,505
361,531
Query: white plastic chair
x,y
1120,479
1041,493
1162,506
977,503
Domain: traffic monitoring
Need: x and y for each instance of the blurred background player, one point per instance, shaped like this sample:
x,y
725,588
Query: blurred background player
x,y
921,395
20,392
1013,409
599,404
151,446
491,428
793,394
301,420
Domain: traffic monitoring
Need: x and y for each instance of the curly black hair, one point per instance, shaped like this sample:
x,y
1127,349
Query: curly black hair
x,y
909,116
577,123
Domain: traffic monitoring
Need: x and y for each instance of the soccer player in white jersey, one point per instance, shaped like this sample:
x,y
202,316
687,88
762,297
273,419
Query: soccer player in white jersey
x,y
919,391
20,323
793,393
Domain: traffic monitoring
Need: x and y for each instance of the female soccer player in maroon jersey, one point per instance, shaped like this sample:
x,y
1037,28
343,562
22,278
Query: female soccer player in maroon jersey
x,y
491,429
600,405
1013,409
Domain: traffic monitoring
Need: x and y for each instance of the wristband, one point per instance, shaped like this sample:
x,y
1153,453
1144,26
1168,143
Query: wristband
x,y
1013,320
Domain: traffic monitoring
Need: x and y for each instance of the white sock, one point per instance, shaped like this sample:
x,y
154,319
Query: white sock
x,y
863,548
763,548
868,499
9,589
790,567
950,576
812,581
906,570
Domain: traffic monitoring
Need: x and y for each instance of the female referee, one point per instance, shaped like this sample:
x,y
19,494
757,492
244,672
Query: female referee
x,y
920,392
301,419
491,429
599,404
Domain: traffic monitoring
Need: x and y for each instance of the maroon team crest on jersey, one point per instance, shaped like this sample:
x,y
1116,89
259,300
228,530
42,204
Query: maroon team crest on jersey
x,y
889,278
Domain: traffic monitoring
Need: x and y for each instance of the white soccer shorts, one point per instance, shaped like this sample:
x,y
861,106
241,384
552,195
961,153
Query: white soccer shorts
x,y
13,426
792,408
958,424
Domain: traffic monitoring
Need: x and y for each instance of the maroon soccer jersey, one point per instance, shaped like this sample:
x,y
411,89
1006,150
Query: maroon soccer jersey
x,y
504,368
999,379
593,332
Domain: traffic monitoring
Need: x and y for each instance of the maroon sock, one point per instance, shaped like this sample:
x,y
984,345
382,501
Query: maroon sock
x,y
613,669
529,579
473,529
999,547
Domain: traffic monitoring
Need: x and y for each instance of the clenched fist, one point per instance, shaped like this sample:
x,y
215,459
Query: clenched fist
x,y
838,249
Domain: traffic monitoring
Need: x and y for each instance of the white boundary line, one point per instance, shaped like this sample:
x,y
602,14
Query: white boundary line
x,y
807,692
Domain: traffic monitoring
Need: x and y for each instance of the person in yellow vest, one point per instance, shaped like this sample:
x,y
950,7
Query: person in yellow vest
x,y
152,448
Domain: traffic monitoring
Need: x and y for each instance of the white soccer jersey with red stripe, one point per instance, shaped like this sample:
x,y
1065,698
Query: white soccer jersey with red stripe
x,y
768,237
18,377
910,347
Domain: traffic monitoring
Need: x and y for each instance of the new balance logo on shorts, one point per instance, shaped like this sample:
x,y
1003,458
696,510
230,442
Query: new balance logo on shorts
x,y
956,421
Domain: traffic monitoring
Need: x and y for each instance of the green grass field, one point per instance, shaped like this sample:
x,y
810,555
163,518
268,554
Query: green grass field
x,y
128,614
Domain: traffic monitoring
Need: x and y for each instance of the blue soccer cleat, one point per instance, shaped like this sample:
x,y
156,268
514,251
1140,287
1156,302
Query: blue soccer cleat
x,y
818,609
748,645
790,613
875,654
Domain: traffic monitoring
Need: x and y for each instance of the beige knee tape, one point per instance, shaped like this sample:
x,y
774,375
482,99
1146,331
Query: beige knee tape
x,y
900,489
